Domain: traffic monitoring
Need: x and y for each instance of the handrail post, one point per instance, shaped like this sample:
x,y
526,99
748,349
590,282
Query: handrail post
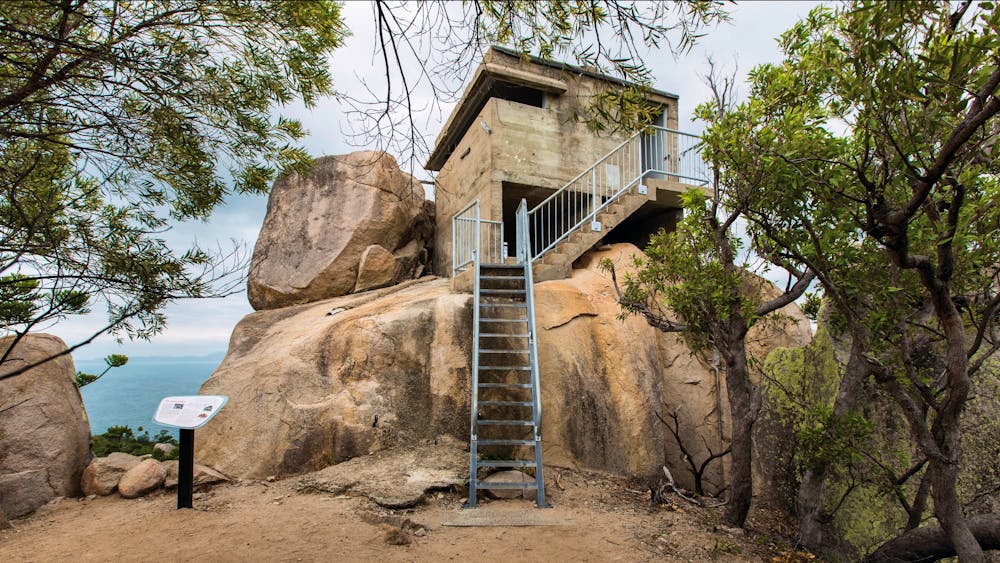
x,y
473,454
454,245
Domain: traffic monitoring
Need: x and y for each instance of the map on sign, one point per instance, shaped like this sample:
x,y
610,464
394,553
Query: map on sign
x,y
188,412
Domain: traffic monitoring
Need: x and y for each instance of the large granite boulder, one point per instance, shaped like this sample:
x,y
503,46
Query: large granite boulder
x,y
611,387
319,226
316,384
44,435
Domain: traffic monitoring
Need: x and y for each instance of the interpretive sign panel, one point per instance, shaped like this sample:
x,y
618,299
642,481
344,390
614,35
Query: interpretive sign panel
x,y
188,412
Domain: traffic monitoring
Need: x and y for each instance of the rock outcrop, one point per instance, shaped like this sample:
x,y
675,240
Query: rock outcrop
x,y
317,384
313,385
44,435
321,225
395,479
201,475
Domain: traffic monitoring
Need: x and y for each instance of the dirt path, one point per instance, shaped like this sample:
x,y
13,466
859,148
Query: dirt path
x,y
602,520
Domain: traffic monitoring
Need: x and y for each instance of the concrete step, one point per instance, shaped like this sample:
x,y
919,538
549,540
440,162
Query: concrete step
x,y
557,263
546,272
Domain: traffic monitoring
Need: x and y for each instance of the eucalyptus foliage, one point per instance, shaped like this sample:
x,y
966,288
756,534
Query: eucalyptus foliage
x,y
119,117
868,154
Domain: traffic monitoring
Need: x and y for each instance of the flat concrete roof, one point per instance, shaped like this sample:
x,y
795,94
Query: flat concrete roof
x,y
475,97
579,70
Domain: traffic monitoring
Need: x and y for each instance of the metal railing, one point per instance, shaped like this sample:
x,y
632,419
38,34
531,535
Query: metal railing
x,y
657,152
674,155
474,238
523,250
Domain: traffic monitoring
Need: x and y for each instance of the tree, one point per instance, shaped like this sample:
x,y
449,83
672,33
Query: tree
x,y
869,155
427,51
713,300
117,118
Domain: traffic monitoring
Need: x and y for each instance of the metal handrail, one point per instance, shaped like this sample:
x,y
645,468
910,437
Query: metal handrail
x,y
523,251
469,232
654,151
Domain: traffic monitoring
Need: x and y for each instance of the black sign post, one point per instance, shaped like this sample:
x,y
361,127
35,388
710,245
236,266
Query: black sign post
x,y
185,469
187,413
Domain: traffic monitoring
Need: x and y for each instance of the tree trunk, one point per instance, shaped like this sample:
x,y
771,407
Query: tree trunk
x,y
809,504
744,404
949,512
932,543
809,507
947,430
916,511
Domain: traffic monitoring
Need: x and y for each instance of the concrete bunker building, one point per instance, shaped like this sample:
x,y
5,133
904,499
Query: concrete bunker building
x,y
514,135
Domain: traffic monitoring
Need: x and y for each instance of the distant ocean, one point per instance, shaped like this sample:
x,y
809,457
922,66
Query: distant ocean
x,y
129,395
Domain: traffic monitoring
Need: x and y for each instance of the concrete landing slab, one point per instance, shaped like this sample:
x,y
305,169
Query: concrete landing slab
x,y
508,517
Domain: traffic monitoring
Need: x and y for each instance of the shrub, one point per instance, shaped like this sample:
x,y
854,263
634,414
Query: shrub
x,y
124,439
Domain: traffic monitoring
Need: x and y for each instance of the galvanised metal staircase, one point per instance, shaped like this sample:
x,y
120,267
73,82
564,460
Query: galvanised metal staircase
x,y
506,404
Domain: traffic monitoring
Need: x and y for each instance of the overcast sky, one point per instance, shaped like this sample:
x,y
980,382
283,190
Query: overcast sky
x,y
203,327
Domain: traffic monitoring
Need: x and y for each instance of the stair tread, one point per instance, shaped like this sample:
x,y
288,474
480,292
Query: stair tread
x,y
514,305
505,368
525,485
507,385
505,442
501,334
505,422
505,403
492,320
502,291
504,278
505,463
501,266
484,351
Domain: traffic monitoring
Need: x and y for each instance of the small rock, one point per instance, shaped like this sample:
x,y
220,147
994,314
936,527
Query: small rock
x,y
271,478
728,530
142,479
102,475
420,532
395,536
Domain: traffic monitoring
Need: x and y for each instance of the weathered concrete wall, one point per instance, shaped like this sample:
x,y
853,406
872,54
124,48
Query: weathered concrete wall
x,y
459,183
525,145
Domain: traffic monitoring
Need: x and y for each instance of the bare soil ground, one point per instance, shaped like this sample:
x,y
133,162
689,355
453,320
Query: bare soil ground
x,y
603,519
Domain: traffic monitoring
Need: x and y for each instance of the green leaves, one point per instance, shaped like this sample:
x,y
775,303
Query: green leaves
x,y
116,119
111,361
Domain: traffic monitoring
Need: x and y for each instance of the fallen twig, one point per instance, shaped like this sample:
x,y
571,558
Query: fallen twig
x,y
692,500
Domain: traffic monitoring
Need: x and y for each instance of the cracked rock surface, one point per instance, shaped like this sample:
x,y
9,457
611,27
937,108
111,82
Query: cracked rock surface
x,y
396,478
